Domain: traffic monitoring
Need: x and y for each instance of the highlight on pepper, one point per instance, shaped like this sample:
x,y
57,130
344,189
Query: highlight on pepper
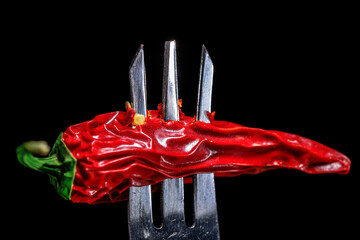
x,y
98,160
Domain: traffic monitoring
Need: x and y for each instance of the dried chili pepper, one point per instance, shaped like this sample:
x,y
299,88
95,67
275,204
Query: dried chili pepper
x,y
98,160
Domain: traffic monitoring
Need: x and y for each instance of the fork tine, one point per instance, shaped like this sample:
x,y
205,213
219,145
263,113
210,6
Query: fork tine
x,y
173,202
172,189
204,186
139,208
137,76
170,108
205,86
139,212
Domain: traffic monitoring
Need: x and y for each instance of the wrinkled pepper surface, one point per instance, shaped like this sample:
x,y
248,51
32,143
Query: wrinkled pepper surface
x,y
98,160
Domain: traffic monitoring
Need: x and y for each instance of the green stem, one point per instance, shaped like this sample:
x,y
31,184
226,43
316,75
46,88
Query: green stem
x,y
59,165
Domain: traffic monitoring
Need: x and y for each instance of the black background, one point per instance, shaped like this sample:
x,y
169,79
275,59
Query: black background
x,y
285,70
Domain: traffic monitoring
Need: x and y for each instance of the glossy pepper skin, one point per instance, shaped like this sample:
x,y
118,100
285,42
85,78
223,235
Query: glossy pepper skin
x,y
109,154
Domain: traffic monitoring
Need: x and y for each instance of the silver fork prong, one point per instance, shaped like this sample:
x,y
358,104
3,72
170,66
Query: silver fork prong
x,y
205,86
172,189
139,205
205,210
137,76
170,108
140,220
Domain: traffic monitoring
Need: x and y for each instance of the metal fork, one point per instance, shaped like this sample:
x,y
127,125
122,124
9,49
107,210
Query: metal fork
x,y
173,217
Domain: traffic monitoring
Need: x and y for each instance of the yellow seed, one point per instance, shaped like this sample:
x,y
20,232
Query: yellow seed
x,y
139,119
127,105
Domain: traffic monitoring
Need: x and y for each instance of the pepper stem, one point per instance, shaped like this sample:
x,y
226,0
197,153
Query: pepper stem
x,y
38,148
58,163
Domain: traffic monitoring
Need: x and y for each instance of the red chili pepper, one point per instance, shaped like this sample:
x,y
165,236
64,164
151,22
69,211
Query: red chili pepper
x,y
112,154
